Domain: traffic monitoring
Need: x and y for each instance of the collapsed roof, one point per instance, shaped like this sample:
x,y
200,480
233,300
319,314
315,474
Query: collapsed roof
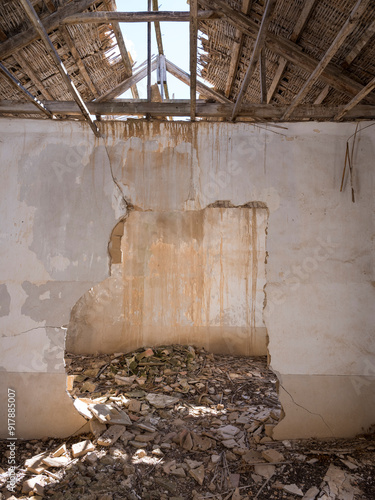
x,y
276,60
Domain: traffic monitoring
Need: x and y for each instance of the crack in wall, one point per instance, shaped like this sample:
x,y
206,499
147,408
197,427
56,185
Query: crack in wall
x,y
306,409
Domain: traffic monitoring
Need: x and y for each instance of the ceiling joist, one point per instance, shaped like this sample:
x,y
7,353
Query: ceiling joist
x,y
259,44
137,17
181,108
298,28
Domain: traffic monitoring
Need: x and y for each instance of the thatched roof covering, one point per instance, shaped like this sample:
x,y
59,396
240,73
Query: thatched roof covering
x,y
95,44
220,39
294,38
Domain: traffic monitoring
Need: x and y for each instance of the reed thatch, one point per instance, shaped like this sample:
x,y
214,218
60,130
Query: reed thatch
x,y
325,20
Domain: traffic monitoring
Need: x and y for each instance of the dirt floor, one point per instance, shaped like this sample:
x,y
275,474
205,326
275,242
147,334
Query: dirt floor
x,y
175,422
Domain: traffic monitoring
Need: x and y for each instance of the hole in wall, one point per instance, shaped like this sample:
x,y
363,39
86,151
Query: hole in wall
x,y
179,278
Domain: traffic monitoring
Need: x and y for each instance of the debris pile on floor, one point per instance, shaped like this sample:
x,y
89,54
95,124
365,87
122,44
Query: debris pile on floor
x,y
175,422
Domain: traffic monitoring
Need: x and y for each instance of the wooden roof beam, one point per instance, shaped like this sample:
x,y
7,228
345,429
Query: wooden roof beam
x,y
72,48
159,42
287,49
363,41
323,94
263,77
122,48
346,30
236,50
193,56
298,28
203,89
356,100
32,15
259,44
128,83
137,17
77,58
17,84
181,107
50,23
27,69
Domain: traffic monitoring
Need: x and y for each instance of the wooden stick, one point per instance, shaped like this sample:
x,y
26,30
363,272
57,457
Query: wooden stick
x,y
16,83
260,41
193,56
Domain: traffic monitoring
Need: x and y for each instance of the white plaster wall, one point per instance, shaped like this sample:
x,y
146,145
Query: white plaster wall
x,y
59,204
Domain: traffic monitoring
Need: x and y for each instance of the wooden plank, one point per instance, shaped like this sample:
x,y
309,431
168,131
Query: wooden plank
x,y
203,89
356,100
32,15
277,78
362,42
287,49
259,43
137,17
128,83
70,43
121,107
263,79
159,42
346,30
50,23
27,69
297,30
17,84
193,56
323,94
302,19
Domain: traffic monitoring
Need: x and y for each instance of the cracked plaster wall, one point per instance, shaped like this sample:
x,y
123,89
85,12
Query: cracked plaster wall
x,y
59,205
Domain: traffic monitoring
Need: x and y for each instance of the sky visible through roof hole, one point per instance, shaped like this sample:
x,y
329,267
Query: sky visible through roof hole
x,y
175,36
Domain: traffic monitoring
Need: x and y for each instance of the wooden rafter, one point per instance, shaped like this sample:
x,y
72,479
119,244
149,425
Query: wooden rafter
x,y
27,69
193,56
298,28
287,49
137,17
362,42
203,89
121,107
50,23
33,16
340,38
323,94
159,42
263,79
70,43
122,48
236,50
128,83
17,84
356,100
259,43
